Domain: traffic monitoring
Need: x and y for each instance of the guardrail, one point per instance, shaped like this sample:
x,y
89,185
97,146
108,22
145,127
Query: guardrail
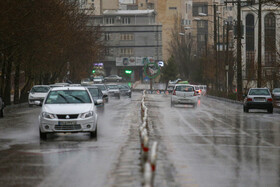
x,y
148,155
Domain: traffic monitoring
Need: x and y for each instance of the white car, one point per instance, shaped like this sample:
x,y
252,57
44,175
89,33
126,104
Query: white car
x,y
37,93
113,78
114,90
98,79
184,94
68,109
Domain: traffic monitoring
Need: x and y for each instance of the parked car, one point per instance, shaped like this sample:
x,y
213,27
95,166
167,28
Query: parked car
x,y
2,106
104,91
113,90
258,98
96,94
276,96
68,110
125,90
184,94
98,79
113,78
37,93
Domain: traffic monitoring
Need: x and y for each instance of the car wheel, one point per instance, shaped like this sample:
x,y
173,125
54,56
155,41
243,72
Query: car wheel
x,y
94,133
270,110
1,113
43,135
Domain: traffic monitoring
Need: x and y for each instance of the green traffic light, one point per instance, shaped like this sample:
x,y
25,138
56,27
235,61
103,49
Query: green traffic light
x,y
128,71
93,71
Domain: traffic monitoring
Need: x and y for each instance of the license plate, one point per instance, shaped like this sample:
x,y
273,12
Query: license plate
x,y
67,123
260,100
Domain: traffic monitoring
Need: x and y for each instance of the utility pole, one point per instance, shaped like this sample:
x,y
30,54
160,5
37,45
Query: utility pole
x,y
215,44
259,81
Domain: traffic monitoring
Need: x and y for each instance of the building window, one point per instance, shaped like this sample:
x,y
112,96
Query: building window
x,y
127,37
107,36
172,8
200,8
250,65
201,37
270,39
201,24
126,20
126,51
110,20
250,32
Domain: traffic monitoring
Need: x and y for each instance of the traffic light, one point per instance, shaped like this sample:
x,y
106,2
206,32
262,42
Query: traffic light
x,y
93,71
128,72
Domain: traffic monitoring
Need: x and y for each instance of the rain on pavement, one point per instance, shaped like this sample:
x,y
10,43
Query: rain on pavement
x,y
215,144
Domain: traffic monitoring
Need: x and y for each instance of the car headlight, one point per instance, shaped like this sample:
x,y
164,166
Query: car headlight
x,y
48,115
87,114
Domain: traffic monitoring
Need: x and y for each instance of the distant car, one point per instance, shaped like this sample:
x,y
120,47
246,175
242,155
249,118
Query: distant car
x,y
198,90
203,89
98,79
68,110
37,93
104,91
2,106
96,94
114,90
86,81
125,90
184,94
276,96
113,78
258,98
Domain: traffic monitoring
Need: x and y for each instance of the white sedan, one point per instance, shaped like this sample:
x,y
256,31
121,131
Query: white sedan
x,y
184,94
68,109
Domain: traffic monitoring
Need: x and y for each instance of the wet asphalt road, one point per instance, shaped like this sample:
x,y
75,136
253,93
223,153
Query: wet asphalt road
x,y
214,145
72,159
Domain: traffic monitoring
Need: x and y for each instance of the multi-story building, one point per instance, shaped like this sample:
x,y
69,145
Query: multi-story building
x,y
132,38
270,45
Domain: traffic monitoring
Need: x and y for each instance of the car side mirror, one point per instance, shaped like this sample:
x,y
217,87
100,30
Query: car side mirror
x,y
38,103
99,101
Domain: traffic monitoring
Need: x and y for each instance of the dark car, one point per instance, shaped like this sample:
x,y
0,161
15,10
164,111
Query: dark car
x,y
114,90
96,95
104,90
258,98
2,105
125,90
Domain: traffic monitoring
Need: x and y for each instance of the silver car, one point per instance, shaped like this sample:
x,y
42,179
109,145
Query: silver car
x,y
68,109
37,93
114,90
184,94
104,91
258,98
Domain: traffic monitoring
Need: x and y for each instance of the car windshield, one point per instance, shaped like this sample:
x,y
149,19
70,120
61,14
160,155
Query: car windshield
x,y
113,86
184,88
94,92
259,92
68,97
40,89
276,90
